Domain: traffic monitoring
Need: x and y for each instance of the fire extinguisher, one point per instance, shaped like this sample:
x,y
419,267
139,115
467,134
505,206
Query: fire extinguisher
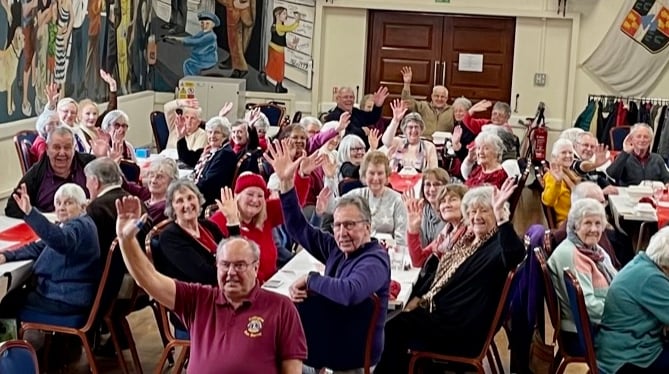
x,y
540,135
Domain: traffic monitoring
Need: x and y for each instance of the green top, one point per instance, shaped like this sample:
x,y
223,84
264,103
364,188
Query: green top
x,y
636,309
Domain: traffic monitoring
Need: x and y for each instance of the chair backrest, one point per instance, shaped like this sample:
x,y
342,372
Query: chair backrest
x,y
210,210
18,356
617,137
273,112
549,289
349,184
130,170
551,217
358,332
23,140
500,312
515,197
161,131
101,287
584,328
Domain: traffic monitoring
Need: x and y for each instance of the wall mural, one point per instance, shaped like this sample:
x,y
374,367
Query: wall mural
x,y
147,44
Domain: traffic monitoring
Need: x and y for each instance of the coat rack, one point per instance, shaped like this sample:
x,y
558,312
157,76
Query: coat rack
x,y
653,100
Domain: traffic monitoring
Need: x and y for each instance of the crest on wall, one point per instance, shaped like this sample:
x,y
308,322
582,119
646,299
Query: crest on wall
x,y
647,23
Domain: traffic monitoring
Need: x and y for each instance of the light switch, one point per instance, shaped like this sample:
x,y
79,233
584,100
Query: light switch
x,y
540,79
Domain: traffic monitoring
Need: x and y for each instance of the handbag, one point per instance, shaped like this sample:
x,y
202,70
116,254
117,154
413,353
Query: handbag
x,y
541,354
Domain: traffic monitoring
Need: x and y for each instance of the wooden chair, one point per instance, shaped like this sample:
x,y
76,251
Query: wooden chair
x,y
23,140
584,328
551,217
115,338
274,113
18,356
515,197
170,342
210,210
551,304
161,131
488,345
130,170
78,325
617,137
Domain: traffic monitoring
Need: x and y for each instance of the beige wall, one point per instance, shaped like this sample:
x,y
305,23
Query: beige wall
x,y
545,42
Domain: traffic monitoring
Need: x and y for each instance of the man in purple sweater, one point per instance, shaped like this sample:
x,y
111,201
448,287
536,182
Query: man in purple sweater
x,y
356,267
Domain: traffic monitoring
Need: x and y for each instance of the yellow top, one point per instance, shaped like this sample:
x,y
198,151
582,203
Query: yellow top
x,y
282,29
557,196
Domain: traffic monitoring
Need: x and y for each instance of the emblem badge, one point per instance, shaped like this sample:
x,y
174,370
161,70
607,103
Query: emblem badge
x,y
254,327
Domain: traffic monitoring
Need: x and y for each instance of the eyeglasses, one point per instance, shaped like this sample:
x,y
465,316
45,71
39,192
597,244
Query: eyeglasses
x,y
358,149
240,266
119,125
347,225
435,185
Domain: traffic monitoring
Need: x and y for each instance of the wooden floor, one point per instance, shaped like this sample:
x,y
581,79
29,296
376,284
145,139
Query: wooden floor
x,y
145,333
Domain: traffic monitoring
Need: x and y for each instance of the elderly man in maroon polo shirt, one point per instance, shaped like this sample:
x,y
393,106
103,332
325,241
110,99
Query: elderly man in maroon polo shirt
x,y
61,164
235,328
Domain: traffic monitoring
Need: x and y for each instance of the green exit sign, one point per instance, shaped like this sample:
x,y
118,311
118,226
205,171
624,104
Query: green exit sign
x,y
442,1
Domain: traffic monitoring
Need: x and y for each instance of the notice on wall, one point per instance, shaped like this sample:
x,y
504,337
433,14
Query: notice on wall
x,y
470,62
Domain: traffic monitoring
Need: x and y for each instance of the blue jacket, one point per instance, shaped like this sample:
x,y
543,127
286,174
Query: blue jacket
x,y
347,281
67,258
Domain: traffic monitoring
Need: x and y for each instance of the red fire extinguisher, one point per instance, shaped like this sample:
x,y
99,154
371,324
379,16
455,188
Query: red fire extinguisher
x,y
540,135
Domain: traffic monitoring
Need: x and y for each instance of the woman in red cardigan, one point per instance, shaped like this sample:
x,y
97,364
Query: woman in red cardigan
x,y
258,214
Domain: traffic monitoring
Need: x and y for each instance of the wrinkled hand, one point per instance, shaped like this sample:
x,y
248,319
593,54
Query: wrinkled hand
x,y
344,121
601,155
298,290
380,96
414,213
556,170
322,201
457,134
129,210
227,205
329,167
22,199
481,106
109,79
399,108
100,148
501,196
52,92
253,115
407,74
278,155
610,190
311,163
227,107
471,155
182,129
373,139
628,146
116,152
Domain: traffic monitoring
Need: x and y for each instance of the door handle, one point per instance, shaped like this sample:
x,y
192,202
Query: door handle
x,y
434,74
443,73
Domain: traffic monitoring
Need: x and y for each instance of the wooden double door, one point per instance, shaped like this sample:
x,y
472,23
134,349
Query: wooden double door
x,y
431,44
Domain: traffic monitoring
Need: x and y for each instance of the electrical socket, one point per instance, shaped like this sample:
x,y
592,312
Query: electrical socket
x,y
540,79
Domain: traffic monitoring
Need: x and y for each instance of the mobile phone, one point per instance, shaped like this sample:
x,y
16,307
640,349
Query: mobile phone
x,y
179,111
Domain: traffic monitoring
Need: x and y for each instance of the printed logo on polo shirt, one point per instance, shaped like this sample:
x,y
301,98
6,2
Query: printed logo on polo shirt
x,y
254,327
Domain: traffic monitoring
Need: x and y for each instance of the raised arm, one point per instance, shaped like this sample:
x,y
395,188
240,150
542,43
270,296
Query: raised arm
x,y
407,76
399,108
128,224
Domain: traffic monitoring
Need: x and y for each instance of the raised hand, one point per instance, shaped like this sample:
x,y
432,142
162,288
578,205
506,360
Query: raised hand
x,y
22,199
322,200
414,214
109,79
311,163
380,96
116,152
181,127
329,167
100,148
501,196
344,121
278,155
481,106
399,108
628,146
457,134
227,107
407,74
52,92
227,205
601,155
373,139
253,115
556,170
129,210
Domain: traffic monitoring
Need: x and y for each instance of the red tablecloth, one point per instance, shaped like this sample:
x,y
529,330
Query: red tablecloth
x,y
21,233
401,183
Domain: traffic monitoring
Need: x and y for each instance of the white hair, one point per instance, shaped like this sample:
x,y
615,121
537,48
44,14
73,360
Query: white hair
x,y
585,190
492,139
462,102
44,119
479,196
658,248
166,166
639,126
70,191
561,144
306,121
111,117
582,208
219,123
572,134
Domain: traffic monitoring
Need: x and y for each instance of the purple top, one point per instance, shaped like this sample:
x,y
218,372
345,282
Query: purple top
x,y
156,211
316,142
51,183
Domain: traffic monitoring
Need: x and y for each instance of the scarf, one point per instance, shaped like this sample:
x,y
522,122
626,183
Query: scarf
x,y
595,253
449,236
431,225
451,261
207,155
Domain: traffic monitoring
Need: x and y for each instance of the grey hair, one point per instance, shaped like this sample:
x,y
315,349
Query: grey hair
x,y
180,185
218,123
306,121
561,144
198,110
66,101
111,117
345,88
491,138
105,170
581,208
639,126
71,191
253,246
62,130
165,165
572,134
583,134
358,202
240,122
43,120
584,190
344,152
479,196
463,102
503,107
262,122
658,248
412,117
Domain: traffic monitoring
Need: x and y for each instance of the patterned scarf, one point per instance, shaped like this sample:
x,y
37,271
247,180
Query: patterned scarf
x,y
431,225
451,261
595,253
207,155
449,236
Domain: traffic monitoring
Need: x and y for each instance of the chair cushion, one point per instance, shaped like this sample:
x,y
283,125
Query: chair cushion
x,y
73,321
181,334
17,360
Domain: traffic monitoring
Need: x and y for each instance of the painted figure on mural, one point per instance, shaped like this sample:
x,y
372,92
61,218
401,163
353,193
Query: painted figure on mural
x,y
9,63
177,23
76,52
47,15
240,19
139,43
94,85
65,24
28,18
122,38
109,59
276,56
205,49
